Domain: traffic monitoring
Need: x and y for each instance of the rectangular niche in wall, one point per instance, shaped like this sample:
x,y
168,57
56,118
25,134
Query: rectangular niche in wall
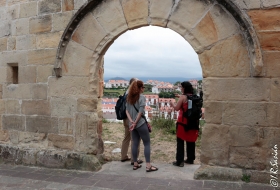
x,y
12,75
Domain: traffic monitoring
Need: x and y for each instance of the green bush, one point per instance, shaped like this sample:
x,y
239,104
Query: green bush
x,y
105,121
246,178
168,125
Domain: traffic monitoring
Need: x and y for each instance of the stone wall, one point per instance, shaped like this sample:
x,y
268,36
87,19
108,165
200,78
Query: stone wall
x,y
59,45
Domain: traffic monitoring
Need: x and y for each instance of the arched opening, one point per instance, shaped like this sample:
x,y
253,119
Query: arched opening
x,y
160,57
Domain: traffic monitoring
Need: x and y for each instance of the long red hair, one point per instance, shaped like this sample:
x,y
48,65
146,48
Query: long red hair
x,y
134,91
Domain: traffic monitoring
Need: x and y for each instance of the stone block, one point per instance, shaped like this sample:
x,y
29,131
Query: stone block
x,y
244,136
86,133
41,124
2,3
248,4
13,136
213,112
11,44
29,157
248,157
13,122
20,27
27,74
61,20
48,40
110,15
250,89
272,63
2,107
17,91
275,89
160,11
269,40
5,29
44,72
59,141
273,114
42,56
25,42
1,91
36,107
270,3
269,137
4,75
40,91
40,24
19,57
245,113
87,105
77,87
77,60
215,145
13,107
79,3
14,2
13,12
4,136
28,9
63,107
67,5
267,19
89,33
218,173
215,26
136,12
3,44
66,126
186,14
27,137
3,13
51,158
49,6
228,58
253,4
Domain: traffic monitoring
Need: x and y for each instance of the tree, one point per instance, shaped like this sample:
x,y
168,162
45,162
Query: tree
x,y
166,95
177,83
148,87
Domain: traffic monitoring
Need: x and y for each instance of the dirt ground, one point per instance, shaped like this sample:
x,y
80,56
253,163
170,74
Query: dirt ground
x,y
163,145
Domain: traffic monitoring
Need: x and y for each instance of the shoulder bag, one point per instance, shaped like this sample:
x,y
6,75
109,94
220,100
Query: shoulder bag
x,y
143,116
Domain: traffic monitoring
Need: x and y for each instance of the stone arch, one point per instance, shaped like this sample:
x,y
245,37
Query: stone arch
x,y
242,19
220,33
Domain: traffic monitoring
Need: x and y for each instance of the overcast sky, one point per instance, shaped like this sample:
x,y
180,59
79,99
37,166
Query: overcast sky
x,y
151,51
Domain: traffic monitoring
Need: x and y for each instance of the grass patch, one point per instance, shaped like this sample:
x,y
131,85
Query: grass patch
x,y
246,178
167,125
105,121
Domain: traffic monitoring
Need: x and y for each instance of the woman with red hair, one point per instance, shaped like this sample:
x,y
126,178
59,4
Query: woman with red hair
x,y
135,111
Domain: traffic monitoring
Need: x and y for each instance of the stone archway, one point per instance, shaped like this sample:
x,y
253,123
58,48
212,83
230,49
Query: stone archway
x,y
228,50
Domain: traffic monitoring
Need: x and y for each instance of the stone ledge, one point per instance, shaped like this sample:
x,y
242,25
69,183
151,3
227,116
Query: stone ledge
x,y
50,158
206,172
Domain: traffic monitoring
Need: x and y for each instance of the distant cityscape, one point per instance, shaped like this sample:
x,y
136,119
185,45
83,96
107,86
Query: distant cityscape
x,y
155,106
163,79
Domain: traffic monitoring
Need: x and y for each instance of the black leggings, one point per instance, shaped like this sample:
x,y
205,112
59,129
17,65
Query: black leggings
x,y
190,149
143,133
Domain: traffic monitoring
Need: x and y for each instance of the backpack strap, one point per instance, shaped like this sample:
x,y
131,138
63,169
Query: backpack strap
x,y
143,116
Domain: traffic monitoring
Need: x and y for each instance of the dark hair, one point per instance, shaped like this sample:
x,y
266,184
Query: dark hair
x,y
134,91
188,89
132,79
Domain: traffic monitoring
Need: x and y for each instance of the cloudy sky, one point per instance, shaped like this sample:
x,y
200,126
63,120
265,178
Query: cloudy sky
x,y
151,51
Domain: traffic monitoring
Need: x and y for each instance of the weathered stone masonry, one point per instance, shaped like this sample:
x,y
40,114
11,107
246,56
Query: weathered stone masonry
x,y
51,114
